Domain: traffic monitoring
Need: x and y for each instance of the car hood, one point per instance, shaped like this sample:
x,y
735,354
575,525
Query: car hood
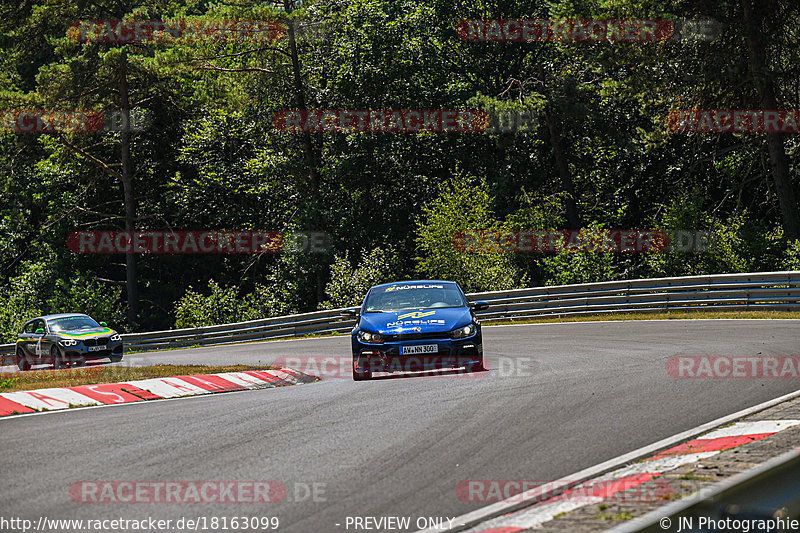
x,y
428,320
86,333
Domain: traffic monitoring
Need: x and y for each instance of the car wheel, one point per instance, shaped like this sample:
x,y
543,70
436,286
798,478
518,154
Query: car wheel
x,y
22,362
476,367
58,358
360,376
115,358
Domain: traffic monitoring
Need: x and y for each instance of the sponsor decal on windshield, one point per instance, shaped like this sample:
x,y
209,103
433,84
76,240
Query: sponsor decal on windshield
x,y
416,314
408,287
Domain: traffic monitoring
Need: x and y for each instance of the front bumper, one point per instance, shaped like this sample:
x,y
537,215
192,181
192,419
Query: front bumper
x,y
80,351
387,356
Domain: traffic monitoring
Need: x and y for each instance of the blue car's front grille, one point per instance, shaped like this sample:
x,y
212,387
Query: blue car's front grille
x,y
417,336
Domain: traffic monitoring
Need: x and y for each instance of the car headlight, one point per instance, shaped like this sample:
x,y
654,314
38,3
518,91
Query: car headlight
x,y
116,337
68,342
464,332
371,338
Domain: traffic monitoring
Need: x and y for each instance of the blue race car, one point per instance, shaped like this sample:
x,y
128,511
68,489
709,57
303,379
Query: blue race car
x,y
414,326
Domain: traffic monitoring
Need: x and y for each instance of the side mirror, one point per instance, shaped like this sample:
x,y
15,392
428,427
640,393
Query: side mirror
x,y
39,331
480,305
349,313
103,324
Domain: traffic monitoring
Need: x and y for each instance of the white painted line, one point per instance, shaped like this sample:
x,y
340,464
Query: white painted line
x,y
103,405
657,466
751,428
652,518
49,399
537,516
518,501
286,376
544,512
255,380
640,320
169,387
260,341
245,380
147,402
347,335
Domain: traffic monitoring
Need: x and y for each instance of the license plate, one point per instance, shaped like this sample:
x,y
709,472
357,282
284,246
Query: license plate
x,y
95,348
421,348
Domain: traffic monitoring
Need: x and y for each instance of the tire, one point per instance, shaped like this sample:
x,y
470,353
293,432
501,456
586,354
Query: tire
x,y
22,361
58,358
360,376
477,367
115,358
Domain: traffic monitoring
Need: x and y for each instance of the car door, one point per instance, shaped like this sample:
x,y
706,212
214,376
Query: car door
x,y
26,336
39,334
30,338
48,340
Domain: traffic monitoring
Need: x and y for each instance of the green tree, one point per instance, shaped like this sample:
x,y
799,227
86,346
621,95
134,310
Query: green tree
x,y
463,204
348,285
39,290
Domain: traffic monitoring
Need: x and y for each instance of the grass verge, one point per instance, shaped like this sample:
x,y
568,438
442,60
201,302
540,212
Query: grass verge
x,y
272,339
71,377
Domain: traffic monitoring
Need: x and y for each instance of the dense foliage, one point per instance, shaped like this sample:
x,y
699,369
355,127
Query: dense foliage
x,y
206,155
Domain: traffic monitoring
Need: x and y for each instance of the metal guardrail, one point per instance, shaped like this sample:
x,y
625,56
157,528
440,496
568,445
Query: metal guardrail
x,y
771,291
768,492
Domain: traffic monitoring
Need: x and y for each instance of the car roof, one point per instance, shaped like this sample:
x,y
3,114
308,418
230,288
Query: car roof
x,y
415,282
60,315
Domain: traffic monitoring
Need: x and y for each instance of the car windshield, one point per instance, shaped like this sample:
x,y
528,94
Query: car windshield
x,y
73,323
423,296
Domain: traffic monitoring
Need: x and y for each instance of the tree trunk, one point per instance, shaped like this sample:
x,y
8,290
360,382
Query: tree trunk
x,y
779,162
557,141
310,154
129,199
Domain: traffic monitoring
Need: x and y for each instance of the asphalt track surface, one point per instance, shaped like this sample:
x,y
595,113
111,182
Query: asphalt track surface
x,y
558,398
